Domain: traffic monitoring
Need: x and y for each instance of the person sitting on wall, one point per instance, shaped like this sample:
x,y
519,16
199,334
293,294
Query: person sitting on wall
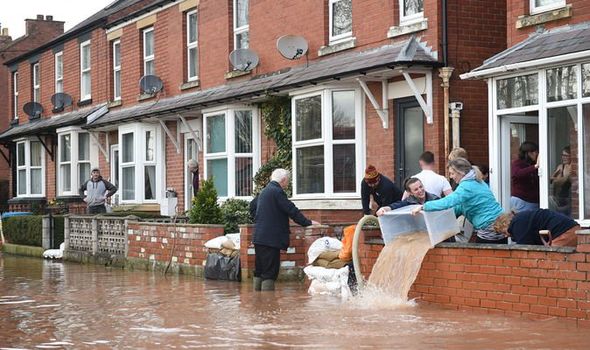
x,y
523,227
97,191
418,195
524,184
473,199
434,183
380,188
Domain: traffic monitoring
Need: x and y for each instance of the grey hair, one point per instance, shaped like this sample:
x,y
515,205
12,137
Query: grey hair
x,y
279,174
192,163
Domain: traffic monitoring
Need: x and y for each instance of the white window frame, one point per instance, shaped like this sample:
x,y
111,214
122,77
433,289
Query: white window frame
x,y
230,155
534,9
242,29
188,179
340,37
36,68
59,65
27,167
15,95
148,58
116,69
85,72
327,141
417,17
139,162
74,133
192,45
114,152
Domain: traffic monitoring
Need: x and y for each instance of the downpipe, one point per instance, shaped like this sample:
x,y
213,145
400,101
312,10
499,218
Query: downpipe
x,y
355,246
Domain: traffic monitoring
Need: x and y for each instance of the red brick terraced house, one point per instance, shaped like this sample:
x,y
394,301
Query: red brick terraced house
x,y
374,87
539,90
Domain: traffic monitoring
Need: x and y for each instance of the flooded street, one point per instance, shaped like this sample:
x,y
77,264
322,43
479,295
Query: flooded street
x,y
51,305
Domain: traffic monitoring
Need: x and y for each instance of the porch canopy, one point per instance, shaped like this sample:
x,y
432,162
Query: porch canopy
x,y
347,65
540,49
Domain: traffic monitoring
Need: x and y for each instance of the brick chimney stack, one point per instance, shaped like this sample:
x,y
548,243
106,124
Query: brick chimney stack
x,y
44,25
5,39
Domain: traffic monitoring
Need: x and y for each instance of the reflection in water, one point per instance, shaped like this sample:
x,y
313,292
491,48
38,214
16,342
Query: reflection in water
x,y
52,305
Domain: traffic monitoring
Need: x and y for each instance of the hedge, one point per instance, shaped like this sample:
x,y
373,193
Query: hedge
x,y
25,230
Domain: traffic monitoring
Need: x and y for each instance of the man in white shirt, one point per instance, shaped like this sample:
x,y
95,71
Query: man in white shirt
x,y
433,182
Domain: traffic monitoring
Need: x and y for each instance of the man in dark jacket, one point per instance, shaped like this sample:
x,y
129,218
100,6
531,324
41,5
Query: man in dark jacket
x,y
418,195
383,190
97,191
271,211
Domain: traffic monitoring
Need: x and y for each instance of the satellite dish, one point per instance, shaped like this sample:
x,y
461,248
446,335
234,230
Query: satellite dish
x,y
60,100
243,59
33,109
292,47
150,84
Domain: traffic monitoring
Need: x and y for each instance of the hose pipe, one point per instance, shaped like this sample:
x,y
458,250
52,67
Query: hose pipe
x,y
355,246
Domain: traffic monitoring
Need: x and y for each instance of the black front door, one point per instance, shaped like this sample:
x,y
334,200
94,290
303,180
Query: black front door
x,y
410,139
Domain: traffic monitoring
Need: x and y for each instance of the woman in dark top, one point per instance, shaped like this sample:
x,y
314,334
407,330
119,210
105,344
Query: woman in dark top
x,y
525,178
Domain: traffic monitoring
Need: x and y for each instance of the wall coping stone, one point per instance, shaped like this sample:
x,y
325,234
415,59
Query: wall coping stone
x,y
488,246
171,224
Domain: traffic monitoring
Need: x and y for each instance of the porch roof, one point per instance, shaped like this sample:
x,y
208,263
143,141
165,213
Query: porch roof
x,y
43,126
409,52
541,48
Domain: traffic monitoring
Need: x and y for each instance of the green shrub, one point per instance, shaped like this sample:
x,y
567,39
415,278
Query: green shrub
x,y
205,209
235,212
25,230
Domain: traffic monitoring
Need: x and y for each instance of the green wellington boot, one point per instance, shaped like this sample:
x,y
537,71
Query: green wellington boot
x,y
257,284
268,285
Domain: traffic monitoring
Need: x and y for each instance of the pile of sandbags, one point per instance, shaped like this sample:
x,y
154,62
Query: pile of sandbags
x,y
223,258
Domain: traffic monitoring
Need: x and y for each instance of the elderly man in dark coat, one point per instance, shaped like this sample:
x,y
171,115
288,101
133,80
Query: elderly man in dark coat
x,y
271,211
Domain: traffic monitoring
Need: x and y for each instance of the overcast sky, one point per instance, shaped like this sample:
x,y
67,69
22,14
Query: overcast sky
x,y
13,13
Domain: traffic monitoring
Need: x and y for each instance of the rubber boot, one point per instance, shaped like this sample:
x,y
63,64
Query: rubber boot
x,y
268,285
257,284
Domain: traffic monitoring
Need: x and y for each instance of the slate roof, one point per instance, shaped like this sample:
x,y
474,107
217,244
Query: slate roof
x,y
409,52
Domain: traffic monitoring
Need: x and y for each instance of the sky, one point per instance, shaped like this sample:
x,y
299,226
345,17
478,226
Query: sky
x,y
14,12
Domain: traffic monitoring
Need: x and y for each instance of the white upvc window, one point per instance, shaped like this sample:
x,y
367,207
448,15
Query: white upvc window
x,y
192,45
141,163
85,73
340,20
241,24
148,52
36,83
538,6
411,11
30,168
327,143
75,159
59,72
232,152
15,95
116,70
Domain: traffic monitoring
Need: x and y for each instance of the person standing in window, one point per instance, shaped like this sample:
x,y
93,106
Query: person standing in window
x,y
525,178
97,191
193,167
380,188
560,199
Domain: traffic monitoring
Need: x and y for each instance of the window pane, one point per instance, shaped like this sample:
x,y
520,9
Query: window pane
x,y
117,84
59,67
217,169
36,74
86,84
148,43
66,177
561,83
83,146
116,168
192,28
117,55
412,7
563,160
344,168
149,68
59,86
150,182
241,13
66,148
22,181
36,153
193,61
244,176
83,173
20,151
36,181
586,163
310,170
149,146
216,134
243,131
242,40
343,115
86,57
539,3
518,91
127,148
308,118
128,179
342,17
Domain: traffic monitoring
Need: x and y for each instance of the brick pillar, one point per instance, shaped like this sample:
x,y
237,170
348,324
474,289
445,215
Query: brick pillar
x,y
247,251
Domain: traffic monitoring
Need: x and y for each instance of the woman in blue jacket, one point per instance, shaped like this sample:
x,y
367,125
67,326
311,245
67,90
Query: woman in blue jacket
x,y
473,199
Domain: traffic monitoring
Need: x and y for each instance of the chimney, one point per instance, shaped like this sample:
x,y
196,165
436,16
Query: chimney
x,y
39,17
49,18
5,32
43,24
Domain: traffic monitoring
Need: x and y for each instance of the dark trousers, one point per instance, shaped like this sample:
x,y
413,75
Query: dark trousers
x,y
97,209
501,241
267,262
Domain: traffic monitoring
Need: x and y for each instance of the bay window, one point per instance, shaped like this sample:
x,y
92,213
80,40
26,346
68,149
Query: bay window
x,y
327,143
30,168
340,20
85,75
75,159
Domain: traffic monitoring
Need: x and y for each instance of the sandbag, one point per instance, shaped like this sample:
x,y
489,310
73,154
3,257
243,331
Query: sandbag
x,y
321,245
328,281
221,267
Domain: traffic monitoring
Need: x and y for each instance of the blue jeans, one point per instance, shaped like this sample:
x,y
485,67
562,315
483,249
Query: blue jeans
x,y
517,205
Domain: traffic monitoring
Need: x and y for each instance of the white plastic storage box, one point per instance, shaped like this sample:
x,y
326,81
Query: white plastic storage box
x,y
440,225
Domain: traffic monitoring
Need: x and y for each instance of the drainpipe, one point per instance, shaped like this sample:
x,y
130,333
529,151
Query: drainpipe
x,y
456,108
445,37
445,74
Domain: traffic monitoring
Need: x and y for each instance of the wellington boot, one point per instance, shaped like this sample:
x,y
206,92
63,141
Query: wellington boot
x,y
257,284
268,285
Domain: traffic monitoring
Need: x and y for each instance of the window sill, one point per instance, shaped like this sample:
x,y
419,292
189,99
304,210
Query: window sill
x,y
236,73
69,198
116,103
155,207
143,97
407,28
329,204
544,17
83,103
346,44
23,199
189,85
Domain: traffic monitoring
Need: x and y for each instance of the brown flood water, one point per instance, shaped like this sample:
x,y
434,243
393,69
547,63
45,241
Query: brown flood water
x,y
50,305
